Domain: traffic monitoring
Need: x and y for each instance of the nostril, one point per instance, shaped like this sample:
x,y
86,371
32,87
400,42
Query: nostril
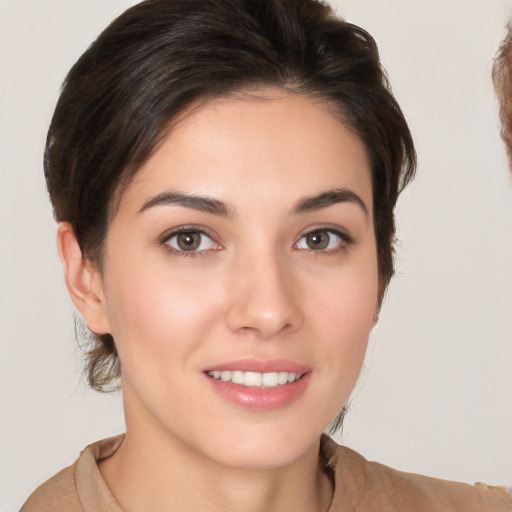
x,y
265,331
262,305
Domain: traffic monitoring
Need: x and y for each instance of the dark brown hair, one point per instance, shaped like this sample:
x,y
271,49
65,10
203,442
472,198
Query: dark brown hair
x,y
161,56
502,76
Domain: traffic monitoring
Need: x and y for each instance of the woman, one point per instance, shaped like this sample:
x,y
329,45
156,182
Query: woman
x,y
224,174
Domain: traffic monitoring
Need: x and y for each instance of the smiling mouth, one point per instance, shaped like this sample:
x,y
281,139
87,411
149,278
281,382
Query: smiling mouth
x,y
255,379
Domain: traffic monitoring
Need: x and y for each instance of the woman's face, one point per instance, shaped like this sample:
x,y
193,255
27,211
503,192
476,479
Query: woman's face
x,y
240,280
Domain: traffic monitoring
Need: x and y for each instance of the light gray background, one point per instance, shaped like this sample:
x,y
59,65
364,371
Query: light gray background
x,y
436,393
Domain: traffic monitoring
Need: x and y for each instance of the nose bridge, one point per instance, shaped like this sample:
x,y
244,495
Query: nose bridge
x,y
262,295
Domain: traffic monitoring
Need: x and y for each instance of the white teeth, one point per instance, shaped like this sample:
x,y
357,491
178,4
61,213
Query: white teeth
x,y
270,380
282,378
237,377
255,379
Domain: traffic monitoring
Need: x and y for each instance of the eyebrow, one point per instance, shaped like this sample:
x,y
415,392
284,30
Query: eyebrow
x,y
216,207
329,198
200,203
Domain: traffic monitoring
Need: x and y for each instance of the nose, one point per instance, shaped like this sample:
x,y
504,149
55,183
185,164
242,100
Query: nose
x,y
263,298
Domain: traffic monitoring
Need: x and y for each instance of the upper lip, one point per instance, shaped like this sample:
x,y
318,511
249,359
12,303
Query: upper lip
x,y
260,366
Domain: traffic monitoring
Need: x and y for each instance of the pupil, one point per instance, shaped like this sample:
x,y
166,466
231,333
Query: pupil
x,y
318,240
188,241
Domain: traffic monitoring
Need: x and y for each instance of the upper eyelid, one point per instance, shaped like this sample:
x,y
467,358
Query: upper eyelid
x,y
337,230
346,240
163,241
180,229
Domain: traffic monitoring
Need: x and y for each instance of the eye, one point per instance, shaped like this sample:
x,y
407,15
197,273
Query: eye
x,y
322,240
190,240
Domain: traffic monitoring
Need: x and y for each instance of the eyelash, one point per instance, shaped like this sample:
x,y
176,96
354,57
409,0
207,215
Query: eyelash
x,y
346,241
166,237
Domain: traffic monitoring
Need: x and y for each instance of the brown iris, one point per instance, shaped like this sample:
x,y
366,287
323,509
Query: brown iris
x,y
318,240
188,240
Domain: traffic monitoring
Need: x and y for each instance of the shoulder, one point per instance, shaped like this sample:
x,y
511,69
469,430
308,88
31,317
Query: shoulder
x,y
79,487
55,495
365,485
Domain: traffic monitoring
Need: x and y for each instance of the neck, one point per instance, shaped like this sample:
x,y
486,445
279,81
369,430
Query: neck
x,y
154,471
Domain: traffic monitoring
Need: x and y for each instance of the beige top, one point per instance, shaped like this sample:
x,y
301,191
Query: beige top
x,y
360,486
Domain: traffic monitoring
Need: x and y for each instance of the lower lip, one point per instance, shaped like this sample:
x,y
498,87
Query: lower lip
x,y
260,398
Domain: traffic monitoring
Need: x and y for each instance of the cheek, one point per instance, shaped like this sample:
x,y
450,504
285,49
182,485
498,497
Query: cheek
x,y
155,314
345,316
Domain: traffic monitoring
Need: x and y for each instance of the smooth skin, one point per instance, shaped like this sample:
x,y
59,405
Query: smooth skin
x,y
276,260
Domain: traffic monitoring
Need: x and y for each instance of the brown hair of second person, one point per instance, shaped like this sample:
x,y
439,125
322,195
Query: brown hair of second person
x,y
163,56
502,76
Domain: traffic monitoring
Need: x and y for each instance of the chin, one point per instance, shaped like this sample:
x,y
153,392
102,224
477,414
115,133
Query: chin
x,y
268,447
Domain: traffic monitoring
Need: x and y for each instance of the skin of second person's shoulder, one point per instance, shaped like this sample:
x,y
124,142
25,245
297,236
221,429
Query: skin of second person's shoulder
x,y
58,494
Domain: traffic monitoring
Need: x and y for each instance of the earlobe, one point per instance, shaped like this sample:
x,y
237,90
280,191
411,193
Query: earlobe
x,y
83,281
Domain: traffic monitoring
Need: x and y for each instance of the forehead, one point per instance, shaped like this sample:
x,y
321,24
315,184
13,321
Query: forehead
x,y
276,145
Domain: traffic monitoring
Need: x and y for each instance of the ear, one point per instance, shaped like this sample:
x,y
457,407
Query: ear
x,y
83,281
